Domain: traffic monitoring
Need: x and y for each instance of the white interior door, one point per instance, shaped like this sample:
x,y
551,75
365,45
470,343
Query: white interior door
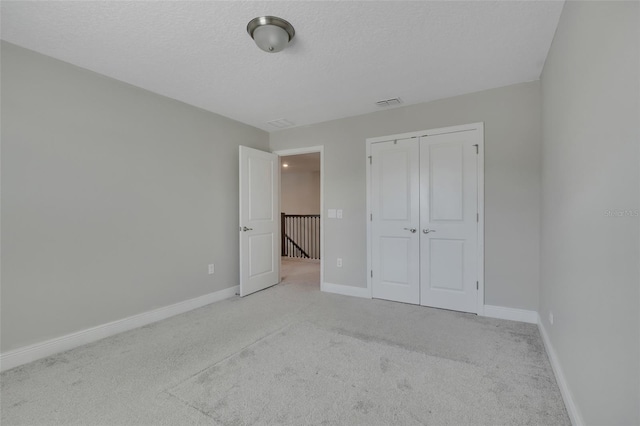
x,y
449,220
259,220
395,220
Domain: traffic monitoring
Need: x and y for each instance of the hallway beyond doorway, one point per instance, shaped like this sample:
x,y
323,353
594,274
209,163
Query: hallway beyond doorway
x,y
300,272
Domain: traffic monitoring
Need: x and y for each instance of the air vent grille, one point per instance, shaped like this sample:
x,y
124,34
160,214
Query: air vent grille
x,y
280,123
389,102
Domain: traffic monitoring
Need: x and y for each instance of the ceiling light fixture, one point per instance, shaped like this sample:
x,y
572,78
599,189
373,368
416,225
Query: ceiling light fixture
x,y
285,165
270,33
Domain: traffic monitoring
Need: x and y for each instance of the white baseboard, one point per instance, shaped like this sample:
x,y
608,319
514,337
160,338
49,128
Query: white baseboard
x,y
567,396
533,318
36,351
346,290
512,314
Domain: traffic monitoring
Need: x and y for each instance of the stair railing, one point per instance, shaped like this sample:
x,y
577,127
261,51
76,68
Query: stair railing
x,y
300,235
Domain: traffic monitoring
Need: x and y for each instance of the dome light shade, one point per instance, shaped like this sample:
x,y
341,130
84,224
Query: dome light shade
x,y
270,33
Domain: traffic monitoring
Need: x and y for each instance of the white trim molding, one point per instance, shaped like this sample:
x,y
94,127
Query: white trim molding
x,y
346,290
47,348
512,314
533,318
567,396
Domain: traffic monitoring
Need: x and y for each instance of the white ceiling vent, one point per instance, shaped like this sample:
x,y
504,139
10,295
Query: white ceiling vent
x,y
389,102
280,123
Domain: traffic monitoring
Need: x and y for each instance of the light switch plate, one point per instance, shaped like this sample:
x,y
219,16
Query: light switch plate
x,y
332,214
339,213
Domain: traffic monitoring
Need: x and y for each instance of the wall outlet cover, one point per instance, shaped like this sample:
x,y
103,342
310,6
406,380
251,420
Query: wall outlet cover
x,y
211,268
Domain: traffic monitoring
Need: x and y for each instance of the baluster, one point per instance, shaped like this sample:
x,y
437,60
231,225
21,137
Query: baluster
x,y
310,234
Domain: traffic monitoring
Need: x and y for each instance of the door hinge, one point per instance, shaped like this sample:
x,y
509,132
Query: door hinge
x,y
372,273
477,148
477,285
371,217
477,217
370,159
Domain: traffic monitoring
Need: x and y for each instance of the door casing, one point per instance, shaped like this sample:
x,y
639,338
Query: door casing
x,y
432,132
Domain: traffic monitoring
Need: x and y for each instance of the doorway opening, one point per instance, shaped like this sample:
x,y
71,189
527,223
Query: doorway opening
x,y
301,217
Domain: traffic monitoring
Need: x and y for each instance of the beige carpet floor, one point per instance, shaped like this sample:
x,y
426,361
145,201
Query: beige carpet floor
x,y
293,355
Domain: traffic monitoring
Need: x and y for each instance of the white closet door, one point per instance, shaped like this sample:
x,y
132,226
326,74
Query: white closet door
x,y
395,210
448,221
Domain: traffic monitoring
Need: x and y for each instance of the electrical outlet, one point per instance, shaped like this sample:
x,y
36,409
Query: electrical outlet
x,y
211,269
339,262
551,318
339,213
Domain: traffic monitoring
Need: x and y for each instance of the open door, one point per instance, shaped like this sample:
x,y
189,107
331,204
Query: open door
x,y
259,220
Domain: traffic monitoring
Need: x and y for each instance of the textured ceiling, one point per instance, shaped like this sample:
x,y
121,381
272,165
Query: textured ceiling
x,y
345,56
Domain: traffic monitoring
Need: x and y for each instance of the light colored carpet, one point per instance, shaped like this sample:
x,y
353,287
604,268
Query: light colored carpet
x,y
293,355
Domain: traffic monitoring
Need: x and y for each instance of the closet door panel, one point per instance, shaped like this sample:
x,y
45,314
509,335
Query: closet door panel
x,y
446,182
395,220
448,221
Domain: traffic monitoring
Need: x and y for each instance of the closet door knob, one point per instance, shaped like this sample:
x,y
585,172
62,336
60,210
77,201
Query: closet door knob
x,y
412,230
426,231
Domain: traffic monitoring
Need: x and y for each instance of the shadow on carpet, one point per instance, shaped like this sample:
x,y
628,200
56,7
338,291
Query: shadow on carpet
x,y
303,374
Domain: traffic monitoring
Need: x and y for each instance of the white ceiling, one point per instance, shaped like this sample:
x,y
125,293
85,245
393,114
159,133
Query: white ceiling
x,y
345,56
301,163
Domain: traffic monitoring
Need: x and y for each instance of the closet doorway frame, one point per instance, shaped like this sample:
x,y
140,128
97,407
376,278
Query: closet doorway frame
x,y
432,132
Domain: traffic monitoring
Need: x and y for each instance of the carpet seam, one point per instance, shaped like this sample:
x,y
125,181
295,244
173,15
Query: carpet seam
x,y
228,357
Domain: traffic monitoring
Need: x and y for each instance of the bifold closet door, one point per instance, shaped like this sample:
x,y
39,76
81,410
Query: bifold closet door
x,y
449,221
395,220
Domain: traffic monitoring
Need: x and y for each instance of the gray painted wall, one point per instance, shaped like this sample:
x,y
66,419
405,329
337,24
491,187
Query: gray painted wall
x,y
114,199
300,192
512,183
589,261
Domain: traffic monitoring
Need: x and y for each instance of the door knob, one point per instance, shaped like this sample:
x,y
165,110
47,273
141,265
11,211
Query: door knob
x,y
412,230
245,229
426,231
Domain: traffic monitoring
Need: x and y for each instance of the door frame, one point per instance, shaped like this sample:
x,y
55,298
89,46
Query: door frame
x,y
432,132
308,150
